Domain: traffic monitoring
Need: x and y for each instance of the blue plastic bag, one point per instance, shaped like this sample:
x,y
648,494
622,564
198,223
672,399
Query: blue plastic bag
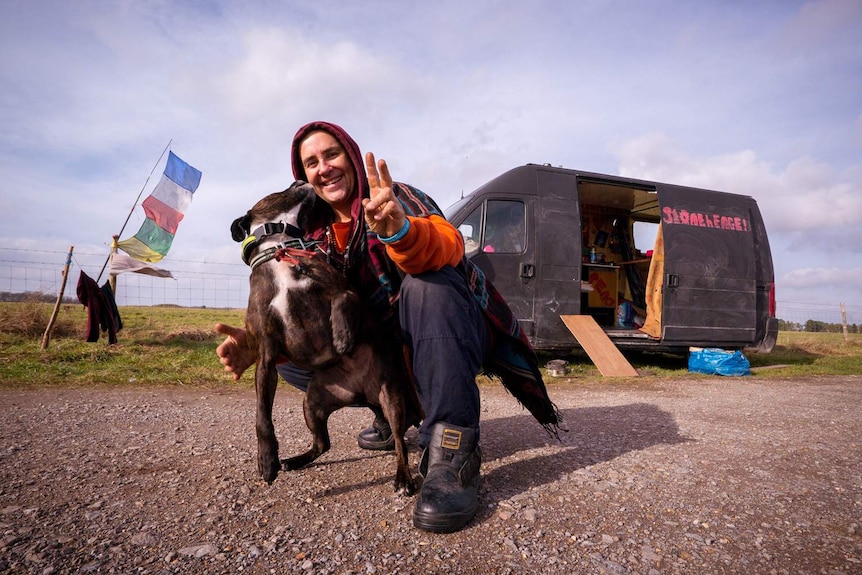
x,y
715,361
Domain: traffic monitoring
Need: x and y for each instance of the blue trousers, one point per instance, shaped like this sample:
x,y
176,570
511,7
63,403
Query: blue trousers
x,y
448,338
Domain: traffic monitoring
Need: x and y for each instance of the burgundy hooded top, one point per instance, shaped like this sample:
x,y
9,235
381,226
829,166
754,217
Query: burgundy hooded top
x,y
364,261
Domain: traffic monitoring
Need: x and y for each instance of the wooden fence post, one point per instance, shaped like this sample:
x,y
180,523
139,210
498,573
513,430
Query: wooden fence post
x,y
844,322
112,279
46,337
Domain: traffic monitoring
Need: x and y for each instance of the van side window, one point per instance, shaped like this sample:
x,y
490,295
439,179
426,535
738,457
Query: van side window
x,y
505,227
471,229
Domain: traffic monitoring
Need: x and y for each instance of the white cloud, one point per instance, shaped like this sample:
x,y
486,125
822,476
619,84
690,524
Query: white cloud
x,y
817,27
806,196
806,278
818,292
282,74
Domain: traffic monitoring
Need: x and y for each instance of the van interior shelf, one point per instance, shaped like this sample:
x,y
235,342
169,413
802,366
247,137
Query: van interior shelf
x,y
637,261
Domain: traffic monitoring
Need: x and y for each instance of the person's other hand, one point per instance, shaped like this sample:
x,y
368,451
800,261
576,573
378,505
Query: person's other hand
x,y
384,214
234,352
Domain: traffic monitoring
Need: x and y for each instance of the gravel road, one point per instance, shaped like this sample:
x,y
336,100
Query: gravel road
x,y
702,475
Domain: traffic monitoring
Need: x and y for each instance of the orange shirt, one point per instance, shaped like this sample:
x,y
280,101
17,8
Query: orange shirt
x,y
341,231
430,244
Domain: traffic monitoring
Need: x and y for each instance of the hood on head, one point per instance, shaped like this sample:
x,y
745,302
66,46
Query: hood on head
x,y
322,214
348,143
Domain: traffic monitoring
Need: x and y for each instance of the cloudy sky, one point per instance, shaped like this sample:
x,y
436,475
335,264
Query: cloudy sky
x,y
760,98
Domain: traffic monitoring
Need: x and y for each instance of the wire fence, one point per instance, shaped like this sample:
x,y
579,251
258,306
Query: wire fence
x,y
195,283
225,285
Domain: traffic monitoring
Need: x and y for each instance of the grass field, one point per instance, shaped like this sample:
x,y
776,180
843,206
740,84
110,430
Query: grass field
x,y
176,346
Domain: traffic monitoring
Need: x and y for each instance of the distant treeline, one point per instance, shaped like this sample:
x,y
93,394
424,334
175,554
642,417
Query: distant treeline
x,y
811,325
34,296
817,326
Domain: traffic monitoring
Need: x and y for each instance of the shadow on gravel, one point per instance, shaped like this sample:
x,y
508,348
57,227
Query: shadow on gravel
x,y
366,457
596,435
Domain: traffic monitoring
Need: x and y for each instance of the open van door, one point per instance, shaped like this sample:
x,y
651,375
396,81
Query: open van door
x,y
710,285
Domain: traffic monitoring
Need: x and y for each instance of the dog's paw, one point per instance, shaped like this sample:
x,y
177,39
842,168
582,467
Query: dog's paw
x,y
294,463
268,469
405,487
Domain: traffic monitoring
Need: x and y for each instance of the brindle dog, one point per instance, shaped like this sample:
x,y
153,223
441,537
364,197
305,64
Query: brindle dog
x,y
302,309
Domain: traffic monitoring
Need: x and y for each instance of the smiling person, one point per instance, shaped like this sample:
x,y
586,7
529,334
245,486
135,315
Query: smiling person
x,y
407,263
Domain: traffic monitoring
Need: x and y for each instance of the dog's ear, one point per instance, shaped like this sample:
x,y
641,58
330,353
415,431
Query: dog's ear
x,y
345,318
307,203
239,228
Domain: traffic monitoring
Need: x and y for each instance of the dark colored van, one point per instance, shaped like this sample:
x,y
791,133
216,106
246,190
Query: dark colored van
x,y
659,266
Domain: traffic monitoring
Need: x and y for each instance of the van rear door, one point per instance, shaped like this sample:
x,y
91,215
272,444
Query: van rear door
x,y
709,291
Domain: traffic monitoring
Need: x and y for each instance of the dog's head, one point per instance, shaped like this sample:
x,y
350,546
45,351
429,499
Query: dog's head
x,y
290,207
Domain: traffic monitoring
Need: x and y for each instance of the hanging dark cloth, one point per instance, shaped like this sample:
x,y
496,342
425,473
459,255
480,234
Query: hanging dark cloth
x,y
113,311
636,281
102,312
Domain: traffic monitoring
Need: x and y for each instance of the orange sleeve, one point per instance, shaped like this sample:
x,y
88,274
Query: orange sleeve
x,y
430,244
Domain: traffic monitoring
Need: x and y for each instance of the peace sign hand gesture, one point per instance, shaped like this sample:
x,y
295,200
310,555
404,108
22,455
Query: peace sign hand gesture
x,y
384,214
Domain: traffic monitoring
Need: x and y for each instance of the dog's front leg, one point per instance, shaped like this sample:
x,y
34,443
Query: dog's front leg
x,y
265,383
396,414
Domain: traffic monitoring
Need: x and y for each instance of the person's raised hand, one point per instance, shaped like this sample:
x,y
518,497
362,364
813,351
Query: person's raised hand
x,y
384,214
234,352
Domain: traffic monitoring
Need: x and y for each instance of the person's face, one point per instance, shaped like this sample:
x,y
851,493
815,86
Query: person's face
x,y
328,168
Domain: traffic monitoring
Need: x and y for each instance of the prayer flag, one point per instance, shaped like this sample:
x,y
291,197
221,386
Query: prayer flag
x,y
164,209
121,263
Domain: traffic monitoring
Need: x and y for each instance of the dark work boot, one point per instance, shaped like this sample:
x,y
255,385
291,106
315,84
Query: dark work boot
x,y
379,436
449,496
